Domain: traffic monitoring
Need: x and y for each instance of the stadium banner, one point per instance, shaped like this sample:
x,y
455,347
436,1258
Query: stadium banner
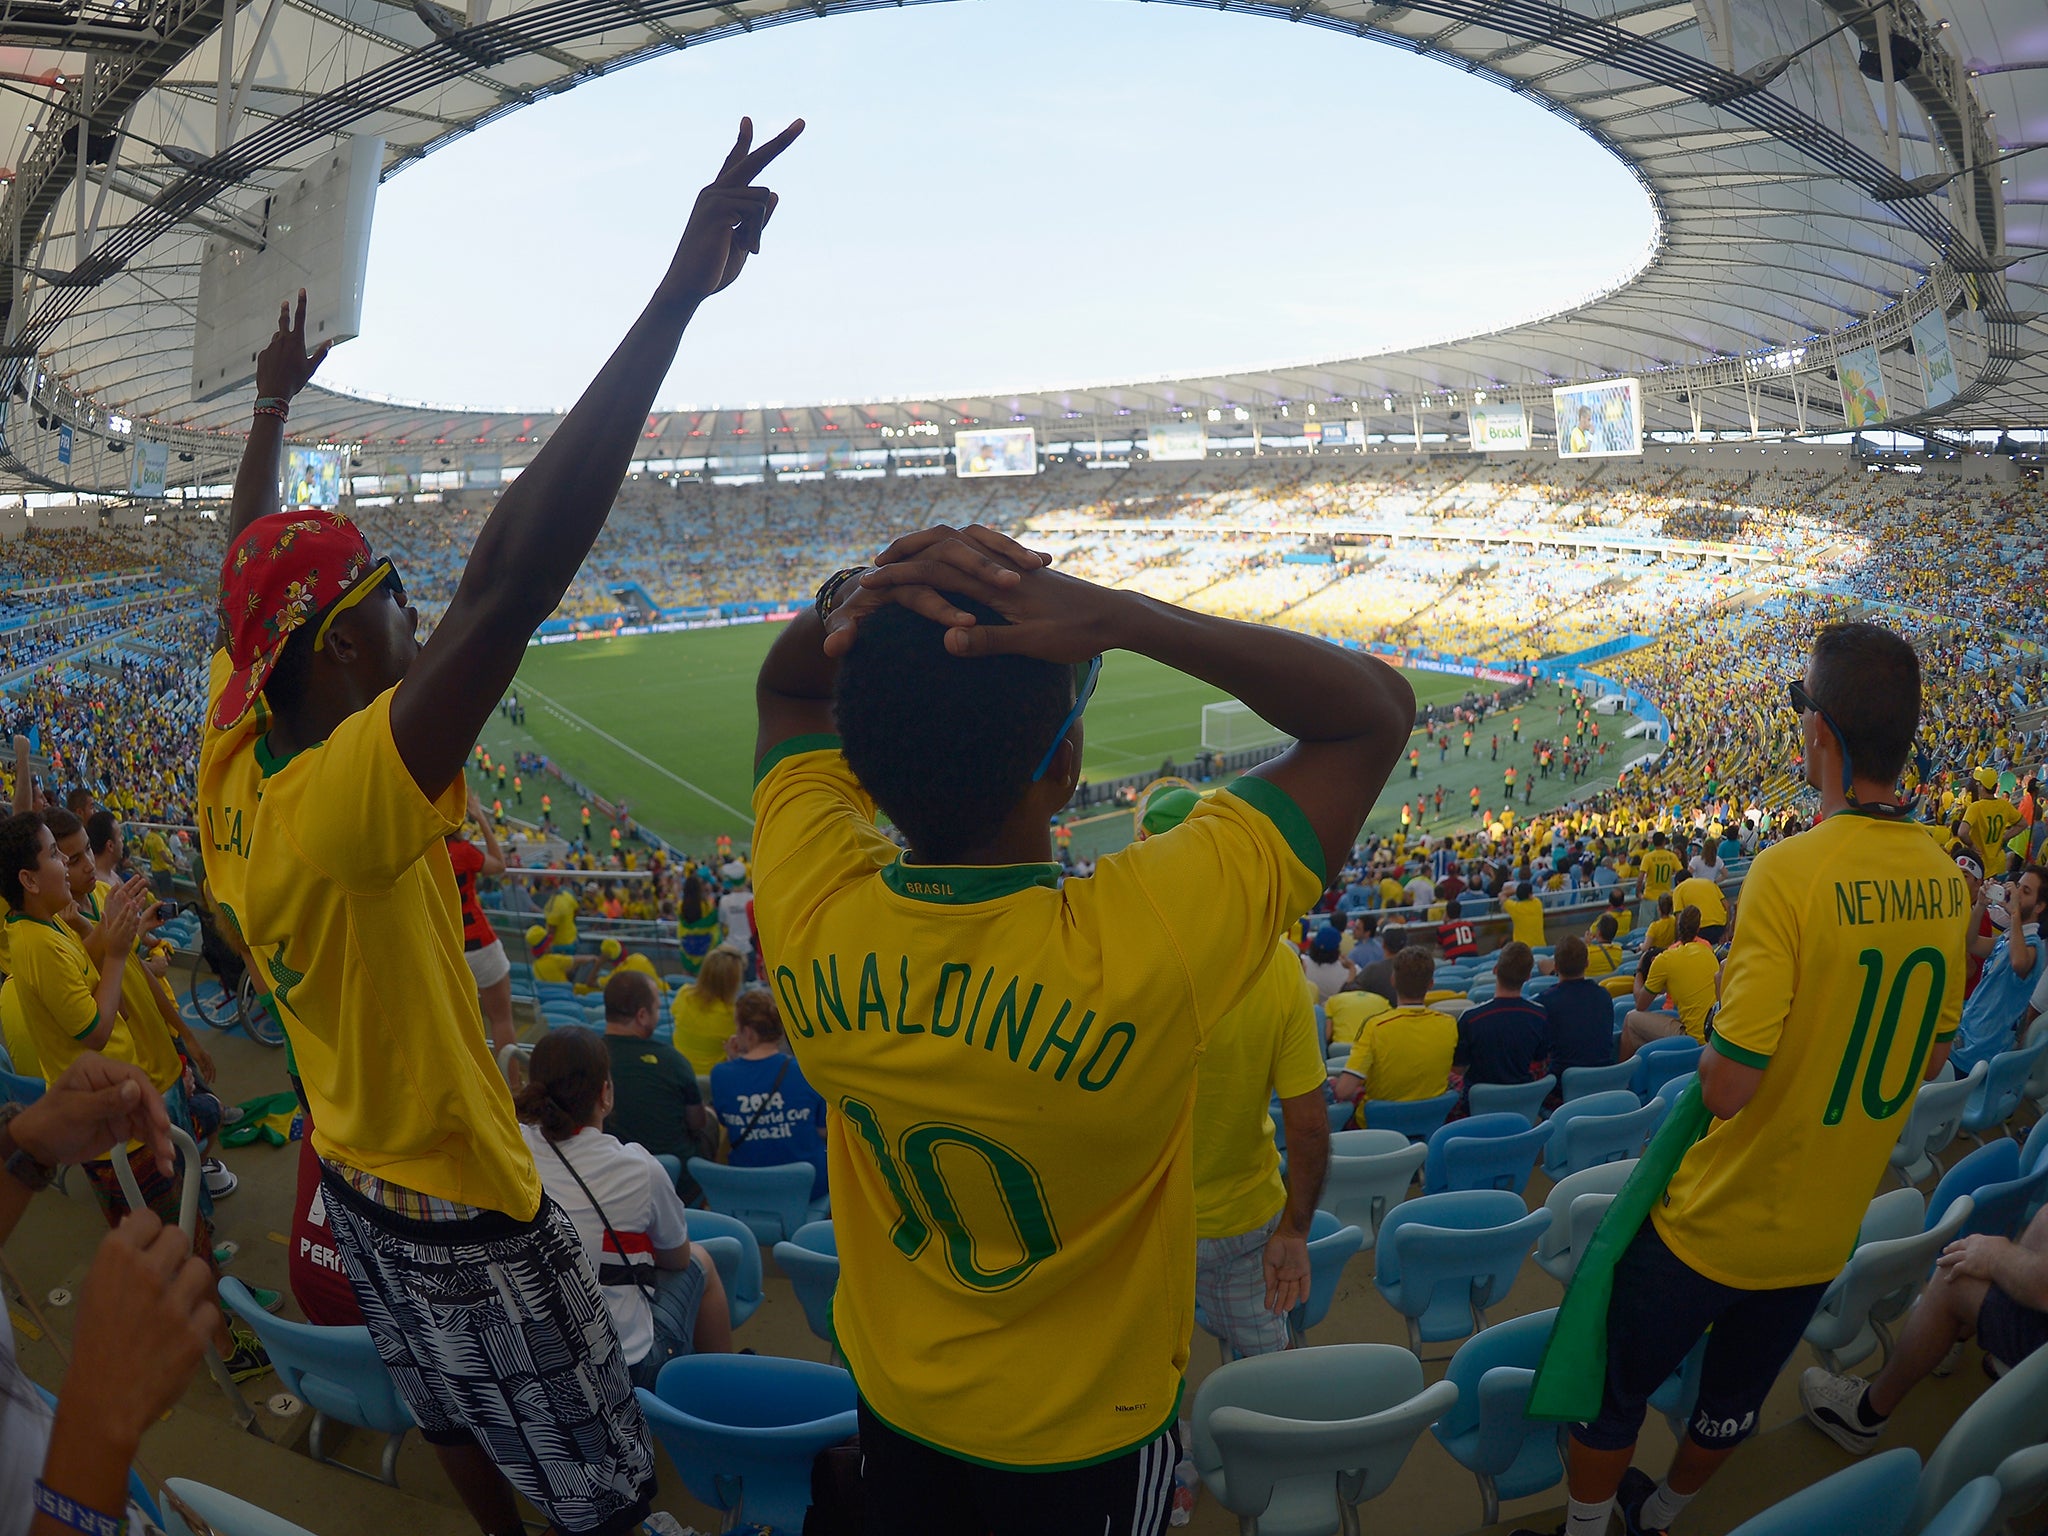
x,y
1346,433
1937,361
64,443
1599,421
667,627
1861,379
1500,428
148,467
997,451
1175,440
312,478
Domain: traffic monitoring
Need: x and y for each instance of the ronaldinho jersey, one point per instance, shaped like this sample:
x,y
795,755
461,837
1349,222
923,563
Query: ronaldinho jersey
x,y
1847,970
1010,1065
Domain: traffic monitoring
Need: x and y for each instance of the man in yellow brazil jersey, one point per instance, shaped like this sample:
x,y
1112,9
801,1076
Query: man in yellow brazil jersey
x,y
331,773
1009,1060
1847,929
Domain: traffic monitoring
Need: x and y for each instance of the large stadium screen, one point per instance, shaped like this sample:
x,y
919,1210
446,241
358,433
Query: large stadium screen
x,y
1599,421
997,451
312,478
1177,440
1499,428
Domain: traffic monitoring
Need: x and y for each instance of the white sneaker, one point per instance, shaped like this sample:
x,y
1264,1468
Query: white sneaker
x,y
1831,1402
220,1182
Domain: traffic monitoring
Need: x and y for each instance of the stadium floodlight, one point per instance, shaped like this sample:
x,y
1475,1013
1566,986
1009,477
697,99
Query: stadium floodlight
x,y
1934,181
1233,727
1766,72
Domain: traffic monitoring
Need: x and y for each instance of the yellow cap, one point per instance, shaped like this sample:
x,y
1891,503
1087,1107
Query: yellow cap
x,y
1988,777
535,934
609,949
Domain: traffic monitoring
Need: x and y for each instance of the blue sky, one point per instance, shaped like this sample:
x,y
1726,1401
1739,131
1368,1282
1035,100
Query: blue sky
x,y
994,194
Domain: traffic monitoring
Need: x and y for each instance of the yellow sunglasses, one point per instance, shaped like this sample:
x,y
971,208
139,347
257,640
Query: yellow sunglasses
x,y
383,573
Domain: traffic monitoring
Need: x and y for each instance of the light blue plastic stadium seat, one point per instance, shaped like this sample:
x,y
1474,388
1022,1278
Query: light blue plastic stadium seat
x,y
1414,1118
1331,1245
811,1260
1483,1152
1341,1115
1660,1061
736,1254
1488,1431
16,1089
1576,1203
670,1165
1370,1173
2003,1090
1599,1128
1579,1082
1892,1261
1672,1089
1623,1006
228,1515
1935,1119
1524,1099
2010,1415
1442,1260
334,1371
2022,1482
1292,1443
2005,1184
1873,1498
1536,986
774,1201
744,1429
1972,1512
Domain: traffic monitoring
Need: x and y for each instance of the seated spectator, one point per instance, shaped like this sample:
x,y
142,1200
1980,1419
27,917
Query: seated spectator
x,y
1456,939
1363,941
1994,1009
1603,955
771,1115
656,1100
557,964
703,1010
1663,929
1505,1039
1365,996
663,1292
1526,913
1989,1288
1405,1052
1688,975
1619,908
1324,965
1580,1013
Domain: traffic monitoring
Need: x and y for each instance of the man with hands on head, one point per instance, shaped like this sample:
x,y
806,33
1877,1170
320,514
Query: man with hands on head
x,y
145,1313
331,772
1013,1059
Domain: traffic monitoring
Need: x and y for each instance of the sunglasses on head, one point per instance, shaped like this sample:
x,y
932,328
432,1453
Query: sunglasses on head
x,y
383,577
1086,675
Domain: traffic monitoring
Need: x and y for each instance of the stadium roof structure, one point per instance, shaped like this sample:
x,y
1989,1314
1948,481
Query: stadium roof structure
x,y
1815,192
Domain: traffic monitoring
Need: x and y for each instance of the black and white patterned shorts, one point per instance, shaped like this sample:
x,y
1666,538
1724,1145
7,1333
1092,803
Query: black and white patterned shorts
x,y
496,1335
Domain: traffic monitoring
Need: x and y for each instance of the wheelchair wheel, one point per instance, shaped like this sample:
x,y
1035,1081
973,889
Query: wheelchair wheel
x,y
213,1003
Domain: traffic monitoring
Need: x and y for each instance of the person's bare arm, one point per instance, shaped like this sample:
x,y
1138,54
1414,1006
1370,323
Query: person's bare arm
x,y
1727,1085
24,778
1347,1087
494,856
530,549
1308,1162
2021,956
282,370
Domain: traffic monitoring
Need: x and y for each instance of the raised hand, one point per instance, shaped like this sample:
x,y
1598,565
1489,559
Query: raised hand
x,y
921,568
284,367
726,222
1051,616
123,921
91,1106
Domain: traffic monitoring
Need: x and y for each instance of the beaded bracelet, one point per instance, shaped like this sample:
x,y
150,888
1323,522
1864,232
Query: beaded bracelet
x,y
277,400
69,1512
828,591
273,410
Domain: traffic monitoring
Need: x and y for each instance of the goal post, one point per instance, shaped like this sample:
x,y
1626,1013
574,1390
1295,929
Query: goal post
x,y
1232,727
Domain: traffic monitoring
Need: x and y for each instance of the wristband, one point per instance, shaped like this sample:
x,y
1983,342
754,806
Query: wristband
x,y
829,589
75,1516
280,401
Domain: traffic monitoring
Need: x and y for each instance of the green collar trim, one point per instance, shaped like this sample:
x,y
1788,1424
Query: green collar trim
x,y
267,760
48,922
963,885
1278,807
796,746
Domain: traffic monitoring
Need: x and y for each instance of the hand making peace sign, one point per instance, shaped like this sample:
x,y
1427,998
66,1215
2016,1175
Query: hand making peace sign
x,y
726,223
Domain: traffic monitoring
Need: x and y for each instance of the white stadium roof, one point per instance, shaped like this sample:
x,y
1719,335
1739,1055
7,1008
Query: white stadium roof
x,y
1805,207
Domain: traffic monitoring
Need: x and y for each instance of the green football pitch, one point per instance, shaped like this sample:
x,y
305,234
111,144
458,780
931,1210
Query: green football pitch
x,y
666,723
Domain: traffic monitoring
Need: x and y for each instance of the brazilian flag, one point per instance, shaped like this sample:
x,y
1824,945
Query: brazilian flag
x,y
268,1119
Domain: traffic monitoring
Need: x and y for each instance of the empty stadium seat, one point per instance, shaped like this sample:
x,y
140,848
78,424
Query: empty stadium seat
x,y
1488,1431
1524,1099
2001,1092
1576,1203
1933,1122
1581,1081
811,1260
736,1254
1873,1498
1892,1261
1442,1260
1363,1184
1483,1152
774,1201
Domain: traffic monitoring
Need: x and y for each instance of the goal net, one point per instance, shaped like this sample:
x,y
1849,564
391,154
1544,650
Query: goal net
x,y
1232,727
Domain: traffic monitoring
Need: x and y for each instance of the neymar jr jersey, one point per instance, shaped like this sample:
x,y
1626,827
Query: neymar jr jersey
x,y
334,867
1011,1067
1847,970
1660,872
1264,1046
